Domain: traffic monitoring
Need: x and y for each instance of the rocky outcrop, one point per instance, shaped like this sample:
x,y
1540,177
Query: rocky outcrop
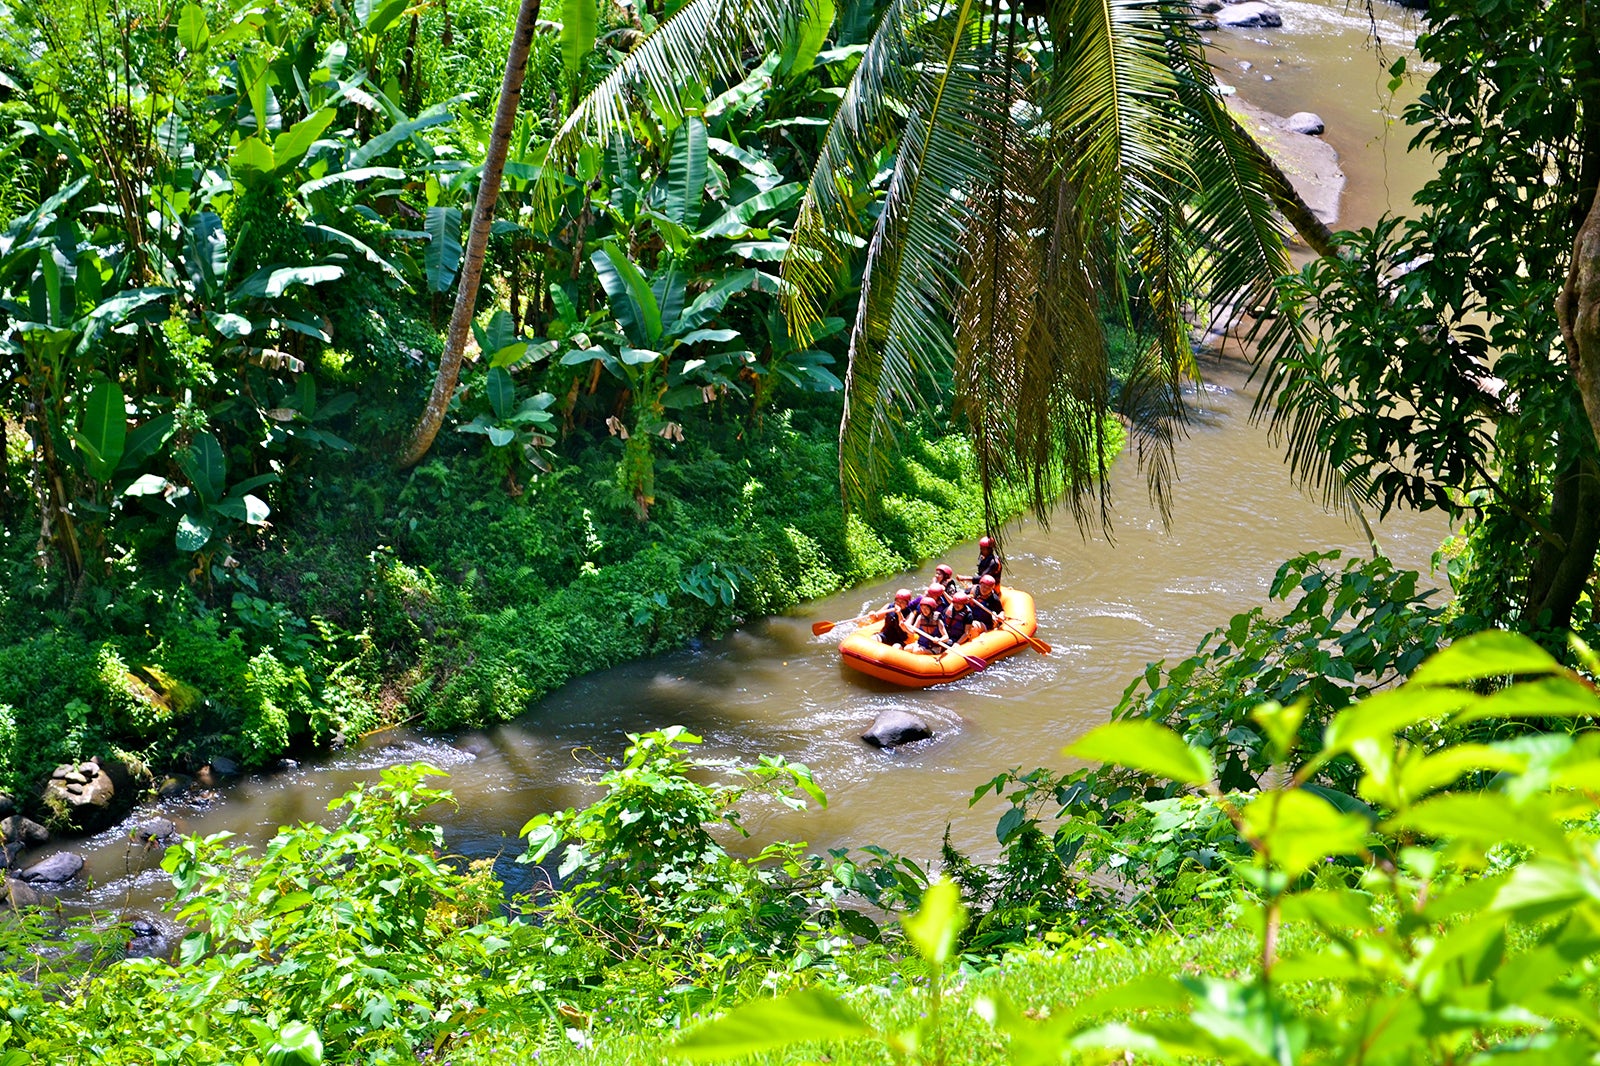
x,y
151,936
58,869
894,728
1248,15
90,796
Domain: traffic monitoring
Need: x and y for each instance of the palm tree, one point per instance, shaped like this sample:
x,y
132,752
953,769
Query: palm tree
x,y
1047,164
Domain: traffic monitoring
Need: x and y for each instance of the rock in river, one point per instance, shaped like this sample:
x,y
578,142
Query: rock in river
x,y
1248,14
58,869
1307,122
894,728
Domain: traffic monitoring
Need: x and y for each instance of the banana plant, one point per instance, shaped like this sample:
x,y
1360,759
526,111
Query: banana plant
x,y
516,428
657,322
207,505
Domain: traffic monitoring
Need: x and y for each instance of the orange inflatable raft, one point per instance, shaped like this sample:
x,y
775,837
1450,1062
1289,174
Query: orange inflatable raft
x,y
862,650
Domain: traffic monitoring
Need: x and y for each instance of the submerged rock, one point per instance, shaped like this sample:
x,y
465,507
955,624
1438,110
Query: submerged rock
x,y
894,728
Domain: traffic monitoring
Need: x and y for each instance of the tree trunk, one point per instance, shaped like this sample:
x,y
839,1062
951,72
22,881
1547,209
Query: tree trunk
x,y
1578,308
455,344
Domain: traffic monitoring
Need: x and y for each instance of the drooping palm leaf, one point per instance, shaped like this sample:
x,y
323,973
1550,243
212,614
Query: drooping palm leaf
x,y
902,351
706,41
868,121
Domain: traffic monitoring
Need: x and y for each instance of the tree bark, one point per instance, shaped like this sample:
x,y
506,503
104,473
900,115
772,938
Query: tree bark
x,y
1578,308
455,344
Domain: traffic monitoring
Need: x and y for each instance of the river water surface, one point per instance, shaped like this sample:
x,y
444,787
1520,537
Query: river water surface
x,y
1107,606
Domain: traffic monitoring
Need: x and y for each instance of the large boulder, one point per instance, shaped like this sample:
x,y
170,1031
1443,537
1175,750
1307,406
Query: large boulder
x,y
81,797
22,832
152,936
894,728
87,797
57,869
1248,15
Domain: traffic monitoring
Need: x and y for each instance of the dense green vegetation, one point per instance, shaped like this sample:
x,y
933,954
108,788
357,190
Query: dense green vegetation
x,y
226,255
1356,825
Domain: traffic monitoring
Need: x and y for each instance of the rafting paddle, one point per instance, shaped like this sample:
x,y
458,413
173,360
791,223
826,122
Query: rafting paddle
x,y
819,628
972,660
1038,645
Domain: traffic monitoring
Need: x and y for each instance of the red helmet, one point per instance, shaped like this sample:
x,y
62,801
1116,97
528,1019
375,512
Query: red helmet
x,y
987,581
936,591
944,571
985,543
902,595
961,597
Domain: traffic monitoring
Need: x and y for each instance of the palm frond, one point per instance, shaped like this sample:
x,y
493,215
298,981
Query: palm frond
x,y
705,42
867,121
1111,105
902,345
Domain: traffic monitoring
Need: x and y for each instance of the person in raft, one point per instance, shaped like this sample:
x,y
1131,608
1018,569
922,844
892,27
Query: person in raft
x,y
894,632
964,621
946,576
986,604
988,563
928,626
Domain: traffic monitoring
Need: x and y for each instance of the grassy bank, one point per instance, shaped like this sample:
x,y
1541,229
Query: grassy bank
x,y
443,597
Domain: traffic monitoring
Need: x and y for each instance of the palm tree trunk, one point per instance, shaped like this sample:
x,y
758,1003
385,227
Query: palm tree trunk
x,y
505,120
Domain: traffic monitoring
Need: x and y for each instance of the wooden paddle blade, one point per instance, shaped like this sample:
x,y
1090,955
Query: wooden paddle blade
x,y
819,628
1043,648
976,663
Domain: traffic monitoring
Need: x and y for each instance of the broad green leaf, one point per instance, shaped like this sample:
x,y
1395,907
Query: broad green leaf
x,y
1491,653
512,353
382,14
291,146
1282,726
762,1024
710,303
145,439
271,282
580,19
1298,830
1545,697
1143,745
389,138
147,485
735,221
638,356
443,253
933,930
356,174
1419,776
1541,887
502,392
1378,718
202,462
1484,819
298,1044
104,427
701,336
629,295
500,436
193,534
686,172
252,157
1336,908
193,33
807,38
251,510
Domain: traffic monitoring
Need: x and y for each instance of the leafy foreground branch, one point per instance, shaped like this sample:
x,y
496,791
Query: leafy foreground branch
x,y
1445,910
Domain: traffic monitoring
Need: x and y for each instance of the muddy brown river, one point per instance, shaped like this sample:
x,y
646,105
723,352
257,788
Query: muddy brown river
x,y
1107,606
